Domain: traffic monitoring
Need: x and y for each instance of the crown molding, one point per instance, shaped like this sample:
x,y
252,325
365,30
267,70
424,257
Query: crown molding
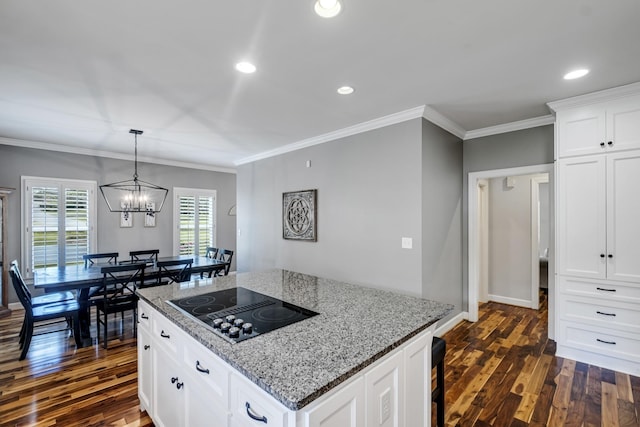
x,y
510,127
381,122
595,97
109,154
444,122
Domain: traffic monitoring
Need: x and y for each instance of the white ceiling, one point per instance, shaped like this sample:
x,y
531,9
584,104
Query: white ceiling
x,y
80,74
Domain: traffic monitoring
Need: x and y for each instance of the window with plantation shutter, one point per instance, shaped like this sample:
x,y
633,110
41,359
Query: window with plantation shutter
x,y
194,220
59,219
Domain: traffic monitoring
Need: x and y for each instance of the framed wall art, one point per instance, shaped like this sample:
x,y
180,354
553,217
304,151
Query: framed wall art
x,y
150,215
126,219
299,215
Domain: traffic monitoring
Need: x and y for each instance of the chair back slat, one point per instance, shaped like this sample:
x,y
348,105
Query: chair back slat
x,y
21,288
225,255
147,255
14,263
176,275
211,252
91,259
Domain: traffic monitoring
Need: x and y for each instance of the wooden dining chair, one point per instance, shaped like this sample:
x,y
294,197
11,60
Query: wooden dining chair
x,y
117,294
175,270
101,258
210,253
46,311
225,255
147,255
47,298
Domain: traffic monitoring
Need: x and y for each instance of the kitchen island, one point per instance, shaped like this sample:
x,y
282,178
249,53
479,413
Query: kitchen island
x,y
365,355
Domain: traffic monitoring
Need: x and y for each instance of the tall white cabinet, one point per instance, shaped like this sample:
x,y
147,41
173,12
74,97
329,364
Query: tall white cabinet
x,y
598,228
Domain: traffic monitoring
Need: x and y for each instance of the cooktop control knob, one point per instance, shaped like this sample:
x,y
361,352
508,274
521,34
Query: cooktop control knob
x,y
234,332
230,318
217,323
247,328
238,322
225,327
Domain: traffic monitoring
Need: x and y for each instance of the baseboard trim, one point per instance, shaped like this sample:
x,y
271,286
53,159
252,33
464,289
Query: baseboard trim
x,y
511,301
13,306
451,323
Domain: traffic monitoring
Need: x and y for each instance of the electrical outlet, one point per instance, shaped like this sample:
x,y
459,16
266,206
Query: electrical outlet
x,y
385,406
407,243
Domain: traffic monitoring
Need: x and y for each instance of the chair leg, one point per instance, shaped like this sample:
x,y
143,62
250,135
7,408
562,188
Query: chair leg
x,y
27,338
106,320
440,399
76,330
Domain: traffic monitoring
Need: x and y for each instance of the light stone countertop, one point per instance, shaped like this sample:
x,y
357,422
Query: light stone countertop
x,y
298,363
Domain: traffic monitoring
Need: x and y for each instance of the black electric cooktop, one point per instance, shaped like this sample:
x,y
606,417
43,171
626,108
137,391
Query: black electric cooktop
x,y
238,314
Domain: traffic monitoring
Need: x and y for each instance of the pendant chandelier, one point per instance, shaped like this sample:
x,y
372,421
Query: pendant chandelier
x,y
134,195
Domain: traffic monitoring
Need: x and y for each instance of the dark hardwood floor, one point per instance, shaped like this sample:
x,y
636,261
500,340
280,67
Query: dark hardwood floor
x,y
500,371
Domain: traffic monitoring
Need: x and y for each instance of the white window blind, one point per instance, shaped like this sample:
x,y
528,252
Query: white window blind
x,y
194,220
59,219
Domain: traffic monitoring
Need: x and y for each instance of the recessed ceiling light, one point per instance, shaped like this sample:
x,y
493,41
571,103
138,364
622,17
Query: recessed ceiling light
x,y
576,74
328,8
246,67
345,90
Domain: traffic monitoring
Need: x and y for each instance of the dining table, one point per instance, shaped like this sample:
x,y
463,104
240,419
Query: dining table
x,y
81,279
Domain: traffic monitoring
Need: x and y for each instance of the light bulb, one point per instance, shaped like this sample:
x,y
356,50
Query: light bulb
x,y
576,74
328,8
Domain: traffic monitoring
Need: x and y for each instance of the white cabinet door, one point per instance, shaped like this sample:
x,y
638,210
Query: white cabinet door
x,y
417,381
344,408
623,216
623,124
145,370
168,390
581,219
201,410
384,389
581,131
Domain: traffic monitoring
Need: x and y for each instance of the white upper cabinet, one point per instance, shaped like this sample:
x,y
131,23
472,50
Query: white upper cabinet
x,y
599,127
581,131
623,124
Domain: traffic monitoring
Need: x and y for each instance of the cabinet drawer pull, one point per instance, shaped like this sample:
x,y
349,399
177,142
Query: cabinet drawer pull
x,y
147,346
163,335
253,415
144,316
602,144
606,290
605,314
610,143
200,368
606,342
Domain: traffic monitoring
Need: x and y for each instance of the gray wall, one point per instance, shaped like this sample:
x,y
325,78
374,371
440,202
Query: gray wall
x,y
16,162
371,193
441,216
513,149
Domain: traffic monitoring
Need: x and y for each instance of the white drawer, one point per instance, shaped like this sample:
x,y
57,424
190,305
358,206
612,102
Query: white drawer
x,y
251,406
607,342
208,370
145,313
603,290
610,314
167,334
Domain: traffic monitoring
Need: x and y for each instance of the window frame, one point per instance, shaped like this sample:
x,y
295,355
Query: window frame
x,y
27,184
179,192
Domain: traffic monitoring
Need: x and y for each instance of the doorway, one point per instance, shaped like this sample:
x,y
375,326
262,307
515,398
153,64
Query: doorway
x,y
480,261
